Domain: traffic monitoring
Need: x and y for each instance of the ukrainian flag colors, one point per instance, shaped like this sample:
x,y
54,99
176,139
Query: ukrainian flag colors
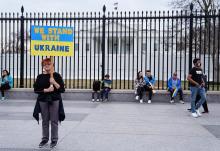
x,y
52,41
175,92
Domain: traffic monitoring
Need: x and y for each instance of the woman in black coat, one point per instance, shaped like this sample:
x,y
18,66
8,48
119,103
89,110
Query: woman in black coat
x,y
49,87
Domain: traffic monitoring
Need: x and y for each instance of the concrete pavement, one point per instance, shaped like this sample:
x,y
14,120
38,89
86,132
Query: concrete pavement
x,y
113,126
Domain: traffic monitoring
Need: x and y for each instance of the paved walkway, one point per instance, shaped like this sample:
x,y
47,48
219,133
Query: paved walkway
x,y
114,126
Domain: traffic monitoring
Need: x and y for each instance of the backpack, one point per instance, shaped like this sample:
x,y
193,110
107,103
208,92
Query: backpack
x,y
96,85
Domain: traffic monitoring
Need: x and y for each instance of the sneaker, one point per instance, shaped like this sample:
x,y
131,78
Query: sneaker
x,y
198,113
182,102
205,112
105,100
141,100
97,100
171,101
53,144
194,115
137,97
149,102
42,143
93,100
3,98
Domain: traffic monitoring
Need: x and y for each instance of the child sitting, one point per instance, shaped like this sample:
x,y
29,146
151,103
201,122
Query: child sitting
x,y
106,87
96,90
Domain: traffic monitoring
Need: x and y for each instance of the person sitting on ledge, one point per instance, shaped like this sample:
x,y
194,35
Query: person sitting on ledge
x,y
139,86
150,81
174,87
6,83
106,87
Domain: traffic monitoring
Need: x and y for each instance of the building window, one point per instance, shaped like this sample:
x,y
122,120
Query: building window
x,y
87,47
113,45
76,46
156,46
126,45
143,48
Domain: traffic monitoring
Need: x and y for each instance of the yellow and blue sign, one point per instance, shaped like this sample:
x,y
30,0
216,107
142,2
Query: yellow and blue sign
x,y
52,41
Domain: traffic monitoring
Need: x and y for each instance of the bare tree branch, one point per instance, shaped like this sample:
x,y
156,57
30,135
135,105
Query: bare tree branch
x,y
205,5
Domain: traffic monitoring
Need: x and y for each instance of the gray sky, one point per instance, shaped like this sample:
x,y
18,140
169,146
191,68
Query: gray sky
x,y
81,5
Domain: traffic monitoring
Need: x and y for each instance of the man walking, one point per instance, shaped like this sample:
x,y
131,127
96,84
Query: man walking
x,y
197,85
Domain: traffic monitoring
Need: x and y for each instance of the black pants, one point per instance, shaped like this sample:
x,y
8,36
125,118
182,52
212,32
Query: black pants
x,y
204,105
150,90
105,92
140,91
98,94
3,88
180,92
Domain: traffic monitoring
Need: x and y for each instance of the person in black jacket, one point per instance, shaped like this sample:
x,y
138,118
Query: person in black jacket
x,y
96,90
49,87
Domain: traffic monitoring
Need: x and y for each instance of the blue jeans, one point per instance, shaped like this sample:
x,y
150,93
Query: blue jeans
x,y
105,92
194,92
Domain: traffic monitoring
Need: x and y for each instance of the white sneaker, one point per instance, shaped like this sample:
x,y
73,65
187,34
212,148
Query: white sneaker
x,y
3,98
141,100
97,100
194,115
137,97
198,113
93,100
171,101
149,102
182,102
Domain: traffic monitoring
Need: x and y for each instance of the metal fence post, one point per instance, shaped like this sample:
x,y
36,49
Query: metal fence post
x,y
103,42
22,49
190,36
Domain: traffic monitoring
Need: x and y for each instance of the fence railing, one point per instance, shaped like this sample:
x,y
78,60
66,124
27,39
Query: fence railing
x,y
117,43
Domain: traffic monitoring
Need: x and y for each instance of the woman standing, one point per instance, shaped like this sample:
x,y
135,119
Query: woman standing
x,y
49,87
6,83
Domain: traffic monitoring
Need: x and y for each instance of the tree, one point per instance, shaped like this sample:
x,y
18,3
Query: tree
x,y
13,43
209,28
205,5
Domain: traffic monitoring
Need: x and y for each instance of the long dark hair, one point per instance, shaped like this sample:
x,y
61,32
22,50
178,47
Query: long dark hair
x,y
138,75
6,72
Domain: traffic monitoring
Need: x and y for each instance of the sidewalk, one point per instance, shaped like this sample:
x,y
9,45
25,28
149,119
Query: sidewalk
x,y
113,126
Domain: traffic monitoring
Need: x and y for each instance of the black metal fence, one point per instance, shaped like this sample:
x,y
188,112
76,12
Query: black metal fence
x,y
117,43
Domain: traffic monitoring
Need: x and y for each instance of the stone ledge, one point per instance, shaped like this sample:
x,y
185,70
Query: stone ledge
x,y
115,91
115,95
